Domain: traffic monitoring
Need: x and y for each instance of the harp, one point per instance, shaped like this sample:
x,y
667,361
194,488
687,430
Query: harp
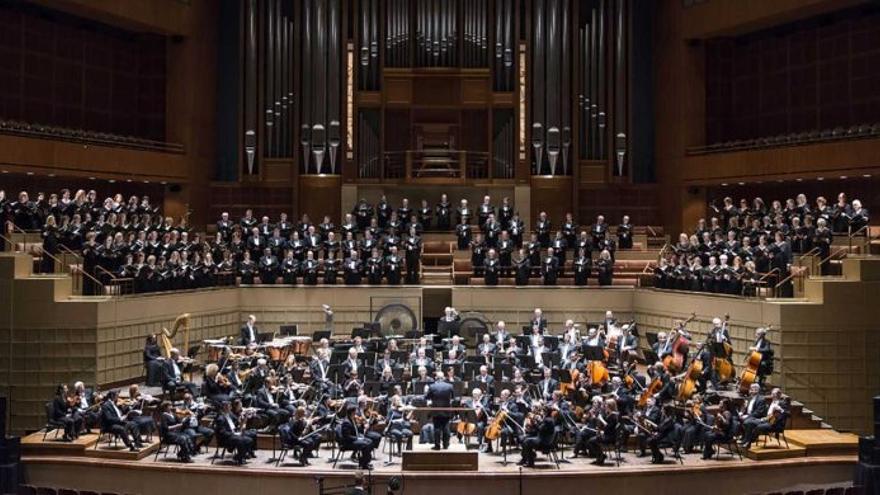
x,y
166,336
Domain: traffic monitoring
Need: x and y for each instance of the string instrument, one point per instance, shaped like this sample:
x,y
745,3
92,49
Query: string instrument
x,y
689,385
166,336
674,362
493,431
722,364
570,387
598,373
749,374
654,387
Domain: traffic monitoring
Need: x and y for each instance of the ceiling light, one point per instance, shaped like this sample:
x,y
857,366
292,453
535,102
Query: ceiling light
x,y
91,178
112,181
843,177
867,176
799,179
127,180
30,173
51,175
741,183
820,178
146,181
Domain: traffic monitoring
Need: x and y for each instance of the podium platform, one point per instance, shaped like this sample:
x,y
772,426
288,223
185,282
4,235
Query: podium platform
x,y
455,459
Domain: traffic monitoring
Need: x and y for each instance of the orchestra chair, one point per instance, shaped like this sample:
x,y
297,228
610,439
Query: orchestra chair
x,y
221,451
113,441
51,424
164,448
341,446
552,449
284,451
730,445
777,430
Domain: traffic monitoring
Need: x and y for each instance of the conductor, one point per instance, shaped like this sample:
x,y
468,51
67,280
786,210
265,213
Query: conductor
x,y
440,394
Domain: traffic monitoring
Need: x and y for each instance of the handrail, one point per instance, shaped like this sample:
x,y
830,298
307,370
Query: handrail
x,y
651,230
771,272
60,263
852,235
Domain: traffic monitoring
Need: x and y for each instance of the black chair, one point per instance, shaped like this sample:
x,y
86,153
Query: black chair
x,y
341,446
285,449
114,438
164,447
730,444
551,450
51,424
777,430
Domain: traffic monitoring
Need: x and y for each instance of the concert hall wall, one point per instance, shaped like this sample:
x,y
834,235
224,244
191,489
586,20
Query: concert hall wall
x,y
819,73
69,72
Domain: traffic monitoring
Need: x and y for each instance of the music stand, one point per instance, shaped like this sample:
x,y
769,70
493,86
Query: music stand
x,y
321,334
503,371
524,341
458,388
363,333
448,328
471,369
501,386
288,330
337,357
551,342
483,386
372,388
651,357
652,338
527,361
420,388
550,357
412,334
592,352
562,376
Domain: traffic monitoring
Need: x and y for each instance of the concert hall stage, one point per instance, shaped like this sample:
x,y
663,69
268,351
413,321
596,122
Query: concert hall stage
x,y
726,475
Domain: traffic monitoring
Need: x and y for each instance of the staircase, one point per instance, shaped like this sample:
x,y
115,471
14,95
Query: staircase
x,y
437,257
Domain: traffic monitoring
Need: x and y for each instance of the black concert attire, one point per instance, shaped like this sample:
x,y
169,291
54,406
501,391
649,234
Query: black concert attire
x,y
172,431
242,443
540,439
440,394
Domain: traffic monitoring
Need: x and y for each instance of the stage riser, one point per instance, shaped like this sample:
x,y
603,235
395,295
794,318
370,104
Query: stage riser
x,y
220,480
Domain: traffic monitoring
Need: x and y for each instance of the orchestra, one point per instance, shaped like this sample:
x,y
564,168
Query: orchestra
x,y
594,390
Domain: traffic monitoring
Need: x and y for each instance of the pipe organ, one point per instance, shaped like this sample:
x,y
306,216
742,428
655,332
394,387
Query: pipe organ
x,y
321,81
448,68
267,81
603,79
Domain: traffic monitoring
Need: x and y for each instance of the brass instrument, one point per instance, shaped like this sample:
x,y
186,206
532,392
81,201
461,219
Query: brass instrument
x,y
166,336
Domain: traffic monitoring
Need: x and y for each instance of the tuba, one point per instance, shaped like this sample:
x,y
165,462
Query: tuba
x,y
166,336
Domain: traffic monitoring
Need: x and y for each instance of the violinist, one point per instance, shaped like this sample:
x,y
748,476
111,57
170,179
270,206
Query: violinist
x,y
295,433
118,423
540,430
86,405
352,437
191,413
216,386
353,387
629,345
64,413
230,436
172,431
399,427
647,421
724,428
174,367
368,415
607,433
668,433
264,400
622,395
592,426
755,411
696,423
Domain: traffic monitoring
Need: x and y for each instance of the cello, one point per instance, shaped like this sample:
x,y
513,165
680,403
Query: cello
x,y
689,385
654,387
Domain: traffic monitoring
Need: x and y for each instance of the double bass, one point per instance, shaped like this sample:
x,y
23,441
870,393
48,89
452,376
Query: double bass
x,y
689,385
674,362
749,373
722,364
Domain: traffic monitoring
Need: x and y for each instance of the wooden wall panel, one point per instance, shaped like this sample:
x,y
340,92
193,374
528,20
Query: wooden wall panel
x,y
553,195
474,91
398,91
319,196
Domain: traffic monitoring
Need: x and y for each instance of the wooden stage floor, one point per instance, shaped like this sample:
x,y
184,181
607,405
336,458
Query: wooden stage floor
x,y
727,474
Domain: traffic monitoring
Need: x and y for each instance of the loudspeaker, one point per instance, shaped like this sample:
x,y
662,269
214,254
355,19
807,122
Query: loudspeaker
x,y
2,418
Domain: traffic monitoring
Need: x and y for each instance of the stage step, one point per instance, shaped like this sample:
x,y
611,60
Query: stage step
x,y
819,442
455,459
121,452
34,444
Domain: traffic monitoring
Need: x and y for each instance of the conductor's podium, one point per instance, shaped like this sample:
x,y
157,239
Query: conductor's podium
x,y
456,458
